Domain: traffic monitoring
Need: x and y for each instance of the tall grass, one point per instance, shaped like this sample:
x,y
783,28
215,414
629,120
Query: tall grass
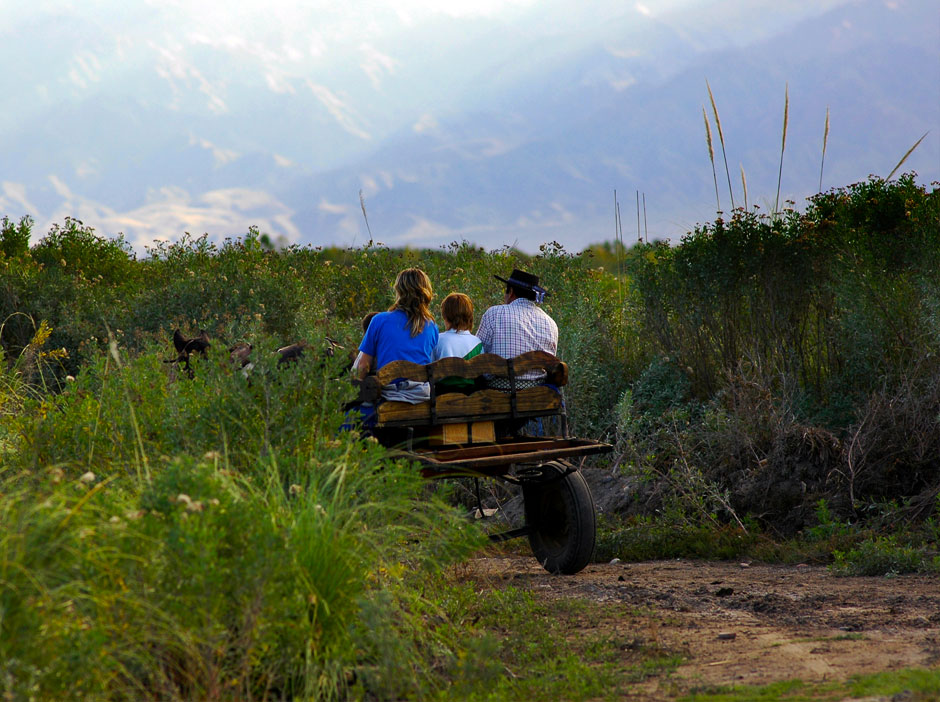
x,y
234,564
721,139
744,186
825,141
711,157
905,156
783,144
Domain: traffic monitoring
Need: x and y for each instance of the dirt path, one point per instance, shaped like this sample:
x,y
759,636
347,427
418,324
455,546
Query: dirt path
x,y
752,624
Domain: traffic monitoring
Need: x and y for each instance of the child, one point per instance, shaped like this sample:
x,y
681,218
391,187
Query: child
x,y
457,311
356,354
456,340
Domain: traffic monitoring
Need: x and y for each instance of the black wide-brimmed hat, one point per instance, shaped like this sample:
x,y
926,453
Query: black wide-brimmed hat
x,y
527,281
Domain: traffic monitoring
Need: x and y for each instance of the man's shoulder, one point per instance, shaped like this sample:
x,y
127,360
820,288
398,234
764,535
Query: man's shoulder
x,y
495,312
530,308
548,316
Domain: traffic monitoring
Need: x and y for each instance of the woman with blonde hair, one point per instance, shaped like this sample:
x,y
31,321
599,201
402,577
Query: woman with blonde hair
x,y
406,332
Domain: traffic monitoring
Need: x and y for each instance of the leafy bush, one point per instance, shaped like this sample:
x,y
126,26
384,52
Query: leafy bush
x,y
884,555
644,539
14,238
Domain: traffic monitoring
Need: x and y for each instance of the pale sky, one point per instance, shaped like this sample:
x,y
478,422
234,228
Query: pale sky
x,y
225,74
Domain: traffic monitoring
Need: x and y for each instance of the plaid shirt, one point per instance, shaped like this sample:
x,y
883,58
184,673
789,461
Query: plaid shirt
x,y
513,329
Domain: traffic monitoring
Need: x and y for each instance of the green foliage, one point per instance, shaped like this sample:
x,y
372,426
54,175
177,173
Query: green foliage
x,y
214,537
808,341
827,525
908,684
14,238
512,649
884,555
660,388
202,539
644,539
827,297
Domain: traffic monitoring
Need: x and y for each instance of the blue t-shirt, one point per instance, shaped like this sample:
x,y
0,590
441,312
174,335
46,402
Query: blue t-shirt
x,y
389,339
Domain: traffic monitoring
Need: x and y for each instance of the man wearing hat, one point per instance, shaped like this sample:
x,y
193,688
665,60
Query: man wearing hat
x,y
519,325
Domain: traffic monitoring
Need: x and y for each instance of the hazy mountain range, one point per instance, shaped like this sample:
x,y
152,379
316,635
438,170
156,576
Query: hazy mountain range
x,y
514,128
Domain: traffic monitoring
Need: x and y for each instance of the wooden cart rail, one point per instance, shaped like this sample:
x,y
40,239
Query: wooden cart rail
x,y
484,364
446,406
489,404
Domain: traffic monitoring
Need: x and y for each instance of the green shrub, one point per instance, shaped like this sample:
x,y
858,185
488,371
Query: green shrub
x,y
884,555
14,238
827,525
646,539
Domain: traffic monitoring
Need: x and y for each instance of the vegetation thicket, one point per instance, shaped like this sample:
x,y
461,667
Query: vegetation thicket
x,y
796,357
216,538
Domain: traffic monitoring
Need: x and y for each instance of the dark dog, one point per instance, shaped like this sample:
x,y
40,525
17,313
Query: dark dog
x,y
292,353
185,348
198,344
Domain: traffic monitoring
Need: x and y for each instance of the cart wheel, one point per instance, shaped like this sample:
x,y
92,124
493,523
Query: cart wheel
x,y
559,511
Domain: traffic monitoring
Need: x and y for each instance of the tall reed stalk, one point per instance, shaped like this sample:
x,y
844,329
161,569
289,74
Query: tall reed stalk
x,y
362,203
721,139
825,141
637,214
783,143
904,157
618,243
744,185
711,156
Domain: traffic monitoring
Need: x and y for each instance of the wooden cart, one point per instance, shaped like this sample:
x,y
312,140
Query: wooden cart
x,y
469,428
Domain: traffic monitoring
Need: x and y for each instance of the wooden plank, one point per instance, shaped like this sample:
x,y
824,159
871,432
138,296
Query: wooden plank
x,y
505,448
494,417
478,405
459,433
530,457
488,463
484,364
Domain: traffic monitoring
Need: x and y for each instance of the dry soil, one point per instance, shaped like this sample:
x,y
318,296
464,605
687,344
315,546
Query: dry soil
x,y
747,623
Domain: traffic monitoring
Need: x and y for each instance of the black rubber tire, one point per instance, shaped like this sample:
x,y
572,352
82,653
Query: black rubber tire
x,y
559,511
